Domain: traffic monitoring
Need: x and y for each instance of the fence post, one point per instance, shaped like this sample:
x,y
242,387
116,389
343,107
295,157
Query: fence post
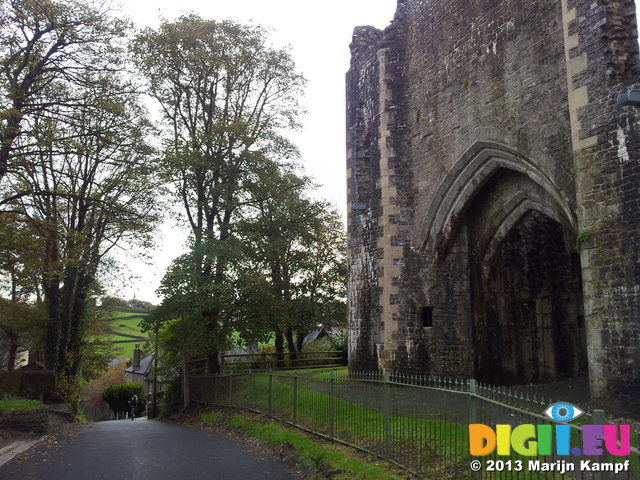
x,y
249,390
387,414
331,405
270,392
473,402
295,397
599,419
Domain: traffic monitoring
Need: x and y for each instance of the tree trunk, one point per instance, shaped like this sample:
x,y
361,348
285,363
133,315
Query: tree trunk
x,y
52,295
78,310
300,341
293,351
213,361
279,348
54,328
211,319
9,134
186,393
68,296
13,349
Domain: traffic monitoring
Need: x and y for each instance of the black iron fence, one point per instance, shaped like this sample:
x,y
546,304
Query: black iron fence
x,y
423,423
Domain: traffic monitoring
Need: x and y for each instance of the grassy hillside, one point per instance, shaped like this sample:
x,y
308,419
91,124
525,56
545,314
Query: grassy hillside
x,y
125,332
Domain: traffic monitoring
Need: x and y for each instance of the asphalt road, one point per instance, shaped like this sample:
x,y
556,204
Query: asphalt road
x,y
143,450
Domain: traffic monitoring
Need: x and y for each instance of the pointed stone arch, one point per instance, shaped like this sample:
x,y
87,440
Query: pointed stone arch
x,y
467,177
518,230
527,314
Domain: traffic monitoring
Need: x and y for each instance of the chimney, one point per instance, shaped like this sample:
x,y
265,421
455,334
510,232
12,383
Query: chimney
x,y
136,358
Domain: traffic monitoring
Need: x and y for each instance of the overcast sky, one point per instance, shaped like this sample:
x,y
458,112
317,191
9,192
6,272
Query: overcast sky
x,y
319,34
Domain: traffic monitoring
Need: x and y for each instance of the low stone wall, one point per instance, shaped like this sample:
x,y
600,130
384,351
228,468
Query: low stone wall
x,y
96,413
36,420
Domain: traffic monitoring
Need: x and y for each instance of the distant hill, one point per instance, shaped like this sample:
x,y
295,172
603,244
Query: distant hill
x,y
125,330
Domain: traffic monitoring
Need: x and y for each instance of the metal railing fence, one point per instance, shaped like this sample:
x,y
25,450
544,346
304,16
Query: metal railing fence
x,y
420,423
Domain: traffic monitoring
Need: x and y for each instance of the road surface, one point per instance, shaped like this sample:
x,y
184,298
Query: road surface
x,y
143,450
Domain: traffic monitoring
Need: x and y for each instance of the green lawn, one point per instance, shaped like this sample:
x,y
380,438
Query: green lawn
x,y
441,444
9,404
354,424
125,330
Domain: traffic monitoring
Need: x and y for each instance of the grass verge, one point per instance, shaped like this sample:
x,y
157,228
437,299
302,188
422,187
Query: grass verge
x,y
313,455
7,404
417,443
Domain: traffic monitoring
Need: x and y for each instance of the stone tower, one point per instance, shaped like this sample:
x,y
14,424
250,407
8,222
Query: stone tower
x,y
494,193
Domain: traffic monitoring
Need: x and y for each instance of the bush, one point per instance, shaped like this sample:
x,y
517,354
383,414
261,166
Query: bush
x,y
118,396
172,397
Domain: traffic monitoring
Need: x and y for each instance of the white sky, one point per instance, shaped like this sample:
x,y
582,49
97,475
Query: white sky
x,y
319,34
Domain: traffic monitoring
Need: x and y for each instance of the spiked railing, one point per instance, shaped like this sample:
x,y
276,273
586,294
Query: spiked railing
x,y
416,421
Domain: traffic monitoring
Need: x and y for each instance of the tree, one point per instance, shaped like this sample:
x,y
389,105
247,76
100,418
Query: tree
x,y
175,341
43,43
300,245
227,99
22,325
73,161
22,314
85,186
20,259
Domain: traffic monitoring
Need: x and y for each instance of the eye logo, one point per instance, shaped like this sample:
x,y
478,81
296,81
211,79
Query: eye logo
x,y
563,412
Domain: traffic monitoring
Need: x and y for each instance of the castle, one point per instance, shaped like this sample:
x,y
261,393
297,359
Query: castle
x,y
494,193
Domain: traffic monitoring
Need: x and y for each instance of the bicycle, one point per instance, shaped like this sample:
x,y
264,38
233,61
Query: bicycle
x,y
133,403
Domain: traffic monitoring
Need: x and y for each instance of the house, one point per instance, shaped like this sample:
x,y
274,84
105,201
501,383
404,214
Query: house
x,y
21,357
141,371
334,334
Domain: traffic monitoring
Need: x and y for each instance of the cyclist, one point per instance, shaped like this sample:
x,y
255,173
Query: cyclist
x,y
133,405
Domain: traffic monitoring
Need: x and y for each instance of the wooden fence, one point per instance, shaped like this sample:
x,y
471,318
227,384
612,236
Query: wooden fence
x,y
274,361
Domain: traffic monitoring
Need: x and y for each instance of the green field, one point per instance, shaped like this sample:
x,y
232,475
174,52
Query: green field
x,y
125,332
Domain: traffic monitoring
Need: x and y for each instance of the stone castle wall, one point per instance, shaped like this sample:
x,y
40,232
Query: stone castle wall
x,y
484,146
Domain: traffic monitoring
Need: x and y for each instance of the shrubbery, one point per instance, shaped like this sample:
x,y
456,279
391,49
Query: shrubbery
x,y
118,396
172,397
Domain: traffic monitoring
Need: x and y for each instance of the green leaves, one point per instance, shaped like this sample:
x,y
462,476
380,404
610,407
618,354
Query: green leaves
x,y
296,245
118,396
74,164
46,44
228,100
